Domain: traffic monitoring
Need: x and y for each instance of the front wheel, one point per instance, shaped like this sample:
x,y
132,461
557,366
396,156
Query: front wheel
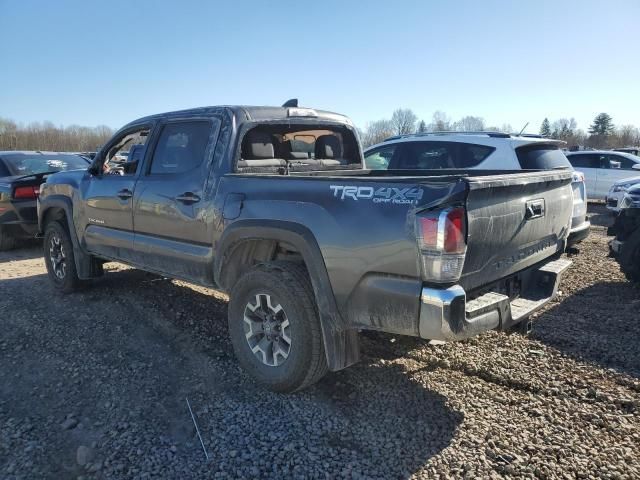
x,y
59,259
274,327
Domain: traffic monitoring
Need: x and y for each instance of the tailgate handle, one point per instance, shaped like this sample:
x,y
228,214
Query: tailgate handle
x,y
534,209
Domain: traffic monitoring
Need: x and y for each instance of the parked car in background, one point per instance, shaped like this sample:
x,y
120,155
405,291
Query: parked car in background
x,y
603,168
625,247
21,174
632,150
274,206
617,192
482,151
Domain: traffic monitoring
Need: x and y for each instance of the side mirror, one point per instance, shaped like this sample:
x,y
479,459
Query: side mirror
x,y
636,166
613,164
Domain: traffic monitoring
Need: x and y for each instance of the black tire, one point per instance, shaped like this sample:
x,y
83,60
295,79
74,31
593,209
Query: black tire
x,y
7,242
62,273
629,257
286,284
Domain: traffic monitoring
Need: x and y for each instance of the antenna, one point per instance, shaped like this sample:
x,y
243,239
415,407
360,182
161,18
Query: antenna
x,y
525,126
293,102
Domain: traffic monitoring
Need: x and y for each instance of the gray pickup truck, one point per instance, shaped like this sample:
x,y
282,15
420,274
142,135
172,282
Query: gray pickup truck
x,y
274,206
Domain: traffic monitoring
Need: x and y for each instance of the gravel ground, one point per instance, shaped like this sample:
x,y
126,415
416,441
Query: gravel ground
x,y
94,385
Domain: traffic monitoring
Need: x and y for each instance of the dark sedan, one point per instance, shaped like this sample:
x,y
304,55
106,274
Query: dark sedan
x,y
21,174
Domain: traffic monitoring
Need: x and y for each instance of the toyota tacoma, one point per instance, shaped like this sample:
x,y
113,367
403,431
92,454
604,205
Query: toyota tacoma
x,y
275,206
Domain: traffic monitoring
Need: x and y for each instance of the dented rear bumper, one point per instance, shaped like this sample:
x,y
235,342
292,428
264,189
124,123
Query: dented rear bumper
x,y
446,314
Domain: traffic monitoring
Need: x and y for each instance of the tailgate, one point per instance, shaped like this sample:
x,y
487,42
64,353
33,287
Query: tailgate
x,y
515,221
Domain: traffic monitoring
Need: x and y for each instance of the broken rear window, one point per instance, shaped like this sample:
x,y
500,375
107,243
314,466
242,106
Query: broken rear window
x,y
275,147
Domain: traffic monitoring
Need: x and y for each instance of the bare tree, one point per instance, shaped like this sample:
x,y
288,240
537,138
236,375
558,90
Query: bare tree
x,y
46,136
469,124
440,122
626,136
404,121
376,132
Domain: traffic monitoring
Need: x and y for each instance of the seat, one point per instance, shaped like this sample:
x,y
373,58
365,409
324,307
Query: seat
x,y
328,149
289,154
258,151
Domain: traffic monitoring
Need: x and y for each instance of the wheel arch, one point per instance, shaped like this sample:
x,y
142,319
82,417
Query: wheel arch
x,y
246,242
58,207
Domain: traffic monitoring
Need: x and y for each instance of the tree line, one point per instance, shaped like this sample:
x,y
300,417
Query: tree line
x,y
47,136
601,134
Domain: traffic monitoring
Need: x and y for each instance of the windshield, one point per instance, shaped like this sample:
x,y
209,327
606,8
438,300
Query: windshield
x,y
31,164
541,157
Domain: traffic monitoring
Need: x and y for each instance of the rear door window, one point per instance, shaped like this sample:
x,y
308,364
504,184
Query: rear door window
x,y
181,147
439,155
541,157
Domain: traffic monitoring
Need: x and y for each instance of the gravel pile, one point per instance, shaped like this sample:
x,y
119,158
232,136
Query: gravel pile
x,y
94,385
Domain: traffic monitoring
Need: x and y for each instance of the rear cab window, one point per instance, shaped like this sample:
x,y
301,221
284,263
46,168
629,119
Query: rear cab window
x,y
541,157
274,147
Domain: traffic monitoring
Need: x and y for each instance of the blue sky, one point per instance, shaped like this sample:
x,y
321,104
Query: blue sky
x,y
109,62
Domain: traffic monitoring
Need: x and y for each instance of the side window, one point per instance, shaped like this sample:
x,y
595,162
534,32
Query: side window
x,y
625,163
379,159
118,160
4,171
584,161
181,147
441,155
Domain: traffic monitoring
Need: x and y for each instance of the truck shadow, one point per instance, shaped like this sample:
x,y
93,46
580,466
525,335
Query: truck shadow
x,y
606,333
371,420
28,250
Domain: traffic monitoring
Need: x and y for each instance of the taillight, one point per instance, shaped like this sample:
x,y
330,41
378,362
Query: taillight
x,y
24,193
441,237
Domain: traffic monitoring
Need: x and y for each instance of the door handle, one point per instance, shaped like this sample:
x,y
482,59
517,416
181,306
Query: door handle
x,y
188,198
125,194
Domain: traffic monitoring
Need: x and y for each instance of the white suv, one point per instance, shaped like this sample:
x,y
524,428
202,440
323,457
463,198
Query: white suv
x,y
481,151
603,168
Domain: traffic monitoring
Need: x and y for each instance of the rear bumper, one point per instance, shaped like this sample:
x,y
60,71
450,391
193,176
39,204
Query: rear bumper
x,y
445,314
579,233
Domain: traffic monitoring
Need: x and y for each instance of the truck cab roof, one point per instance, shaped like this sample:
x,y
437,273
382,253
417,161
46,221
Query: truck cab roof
x,y
246,113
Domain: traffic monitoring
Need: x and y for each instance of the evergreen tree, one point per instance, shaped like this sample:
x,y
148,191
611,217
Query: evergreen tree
x,y
545,128
602,125
422,127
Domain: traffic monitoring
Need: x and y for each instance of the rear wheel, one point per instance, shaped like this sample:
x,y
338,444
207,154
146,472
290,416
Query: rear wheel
x,y
274,327
7,242
629,257
59,258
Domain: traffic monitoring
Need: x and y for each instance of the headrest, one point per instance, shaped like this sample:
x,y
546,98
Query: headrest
x,y
328,146
258,146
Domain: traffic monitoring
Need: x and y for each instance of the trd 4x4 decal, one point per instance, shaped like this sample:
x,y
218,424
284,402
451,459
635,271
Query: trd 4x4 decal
x,y
400,195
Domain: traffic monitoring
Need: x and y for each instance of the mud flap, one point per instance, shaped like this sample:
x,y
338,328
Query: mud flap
x,y
341,347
